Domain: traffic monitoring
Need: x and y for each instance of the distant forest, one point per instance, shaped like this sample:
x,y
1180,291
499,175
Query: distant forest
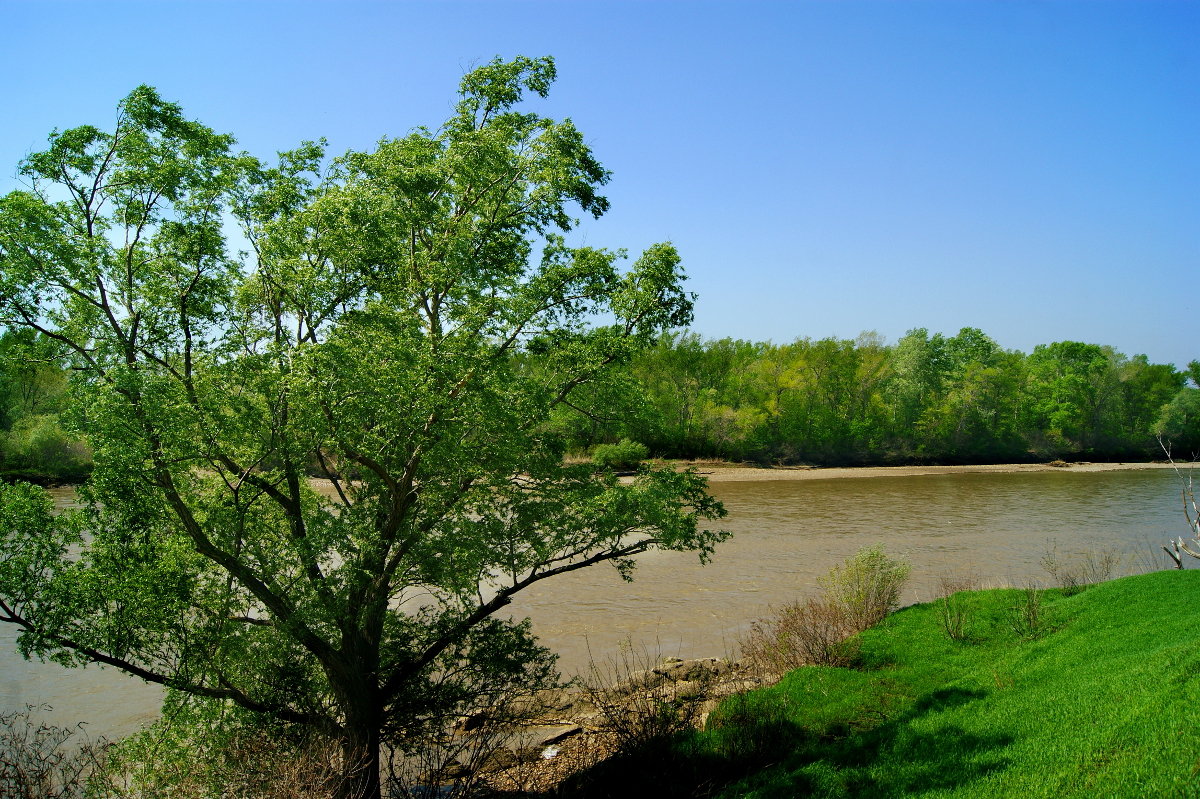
x,y
925,399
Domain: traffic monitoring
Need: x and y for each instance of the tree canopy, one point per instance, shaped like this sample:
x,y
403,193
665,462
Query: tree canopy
x,y
926,398
403,327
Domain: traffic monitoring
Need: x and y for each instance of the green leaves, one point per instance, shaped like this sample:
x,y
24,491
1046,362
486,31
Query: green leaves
x,y
30,544
650,298
499,85
323,467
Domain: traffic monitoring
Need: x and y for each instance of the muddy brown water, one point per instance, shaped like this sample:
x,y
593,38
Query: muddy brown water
x,y
995,526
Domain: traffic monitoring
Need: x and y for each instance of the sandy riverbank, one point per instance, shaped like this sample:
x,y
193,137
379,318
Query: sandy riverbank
x,y
722,472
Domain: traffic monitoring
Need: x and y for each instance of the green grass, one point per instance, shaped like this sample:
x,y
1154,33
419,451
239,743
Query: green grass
x,y
1102,699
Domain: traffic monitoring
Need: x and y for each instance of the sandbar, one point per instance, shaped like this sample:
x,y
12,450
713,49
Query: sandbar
x,y
725,472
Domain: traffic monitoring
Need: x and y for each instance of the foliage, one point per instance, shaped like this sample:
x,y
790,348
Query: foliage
x,y
38,445
949,399
405,325
34,440
867,586
1179,423
625,455
197,751
31,380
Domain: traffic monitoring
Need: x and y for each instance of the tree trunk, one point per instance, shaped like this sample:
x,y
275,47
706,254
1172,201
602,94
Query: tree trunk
x,y
360,763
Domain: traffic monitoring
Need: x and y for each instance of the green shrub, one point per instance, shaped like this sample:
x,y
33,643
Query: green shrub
x,y
211,751
1026,615
867,585
622,456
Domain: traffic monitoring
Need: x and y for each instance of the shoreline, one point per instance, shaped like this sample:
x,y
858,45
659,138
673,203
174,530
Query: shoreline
x,y
724,472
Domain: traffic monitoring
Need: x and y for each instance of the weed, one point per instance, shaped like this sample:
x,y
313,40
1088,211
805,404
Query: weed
x,y
640,698
1076,572
954,609
821,631
38,762
954,614
1026,616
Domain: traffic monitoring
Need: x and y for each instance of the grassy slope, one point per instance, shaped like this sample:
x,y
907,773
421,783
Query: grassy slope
x,y
1105,702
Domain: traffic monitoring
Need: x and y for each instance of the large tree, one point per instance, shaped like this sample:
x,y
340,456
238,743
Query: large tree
x,y
404,324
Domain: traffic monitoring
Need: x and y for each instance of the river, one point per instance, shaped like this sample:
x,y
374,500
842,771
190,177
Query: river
x,y
994,526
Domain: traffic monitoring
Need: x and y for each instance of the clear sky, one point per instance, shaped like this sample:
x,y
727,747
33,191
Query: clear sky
x,y
1028,168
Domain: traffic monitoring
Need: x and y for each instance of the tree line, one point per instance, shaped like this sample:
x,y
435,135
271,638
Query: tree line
x,y
926,398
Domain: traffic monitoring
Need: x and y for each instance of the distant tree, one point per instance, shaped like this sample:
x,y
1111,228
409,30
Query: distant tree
x,y
371,337
32,380
976,416
1073,394
697,390
1178,424
920,364
1146,389
35,442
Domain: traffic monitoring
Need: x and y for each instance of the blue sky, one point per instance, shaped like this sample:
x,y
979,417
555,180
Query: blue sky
x,y
825,168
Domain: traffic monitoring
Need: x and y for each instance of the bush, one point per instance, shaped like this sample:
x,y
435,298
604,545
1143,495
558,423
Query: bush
x,y
622,456
867,586
822,631
1025,613
815,632
186,755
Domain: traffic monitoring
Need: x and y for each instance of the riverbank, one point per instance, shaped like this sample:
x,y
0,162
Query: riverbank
x,y
1065,693
728,472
